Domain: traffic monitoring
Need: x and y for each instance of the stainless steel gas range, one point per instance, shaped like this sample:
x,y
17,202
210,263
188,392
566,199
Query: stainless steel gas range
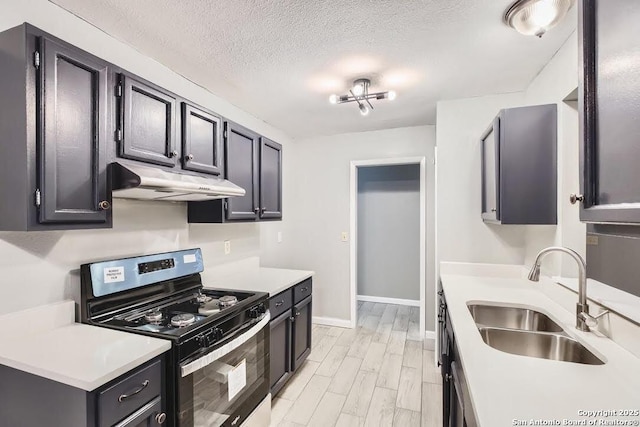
x,y
218,368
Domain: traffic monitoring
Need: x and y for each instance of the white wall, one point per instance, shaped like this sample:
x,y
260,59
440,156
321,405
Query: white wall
x,y
552,85
389,231
462,235
41,267
321,210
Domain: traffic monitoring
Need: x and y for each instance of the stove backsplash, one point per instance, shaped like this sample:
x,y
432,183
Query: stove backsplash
x,y
613,256
43,267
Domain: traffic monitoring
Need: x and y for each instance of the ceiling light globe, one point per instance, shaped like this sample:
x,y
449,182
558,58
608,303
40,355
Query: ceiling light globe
x,y
364,110
358,89
536,17
333,99
391,95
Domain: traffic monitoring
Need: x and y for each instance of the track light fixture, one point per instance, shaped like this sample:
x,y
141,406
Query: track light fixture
x,y
360,93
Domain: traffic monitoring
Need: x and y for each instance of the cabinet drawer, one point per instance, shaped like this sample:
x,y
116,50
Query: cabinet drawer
x,y
301,291
280,303
129,394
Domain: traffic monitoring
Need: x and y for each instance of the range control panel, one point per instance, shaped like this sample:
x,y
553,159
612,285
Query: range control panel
x,y
163,264
118,275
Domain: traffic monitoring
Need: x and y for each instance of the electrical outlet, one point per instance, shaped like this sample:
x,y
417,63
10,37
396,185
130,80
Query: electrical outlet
x,y
345,236
227,247
279,236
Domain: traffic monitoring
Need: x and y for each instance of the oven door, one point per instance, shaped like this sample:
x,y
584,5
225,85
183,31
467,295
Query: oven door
x,y
222,387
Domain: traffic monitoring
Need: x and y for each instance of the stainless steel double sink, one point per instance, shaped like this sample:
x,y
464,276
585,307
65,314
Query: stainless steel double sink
x,y
527,332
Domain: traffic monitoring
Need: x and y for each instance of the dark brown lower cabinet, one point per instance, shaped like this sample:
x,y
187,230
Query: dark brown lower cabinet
x,y
301,331
136,399
456,400
290,341
280,351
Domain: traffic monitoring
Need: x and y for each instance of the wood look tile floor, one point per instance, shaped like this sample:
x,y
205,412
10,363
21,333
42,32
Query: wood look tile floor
x,y
379,374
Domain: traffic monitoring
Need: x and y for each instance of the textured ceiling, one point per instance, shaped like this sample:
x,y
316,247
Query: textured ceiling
x,y
281,59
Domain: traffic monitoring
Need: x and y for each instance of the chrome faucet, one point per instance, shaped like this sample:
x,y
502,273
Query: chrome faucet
x,y
584,321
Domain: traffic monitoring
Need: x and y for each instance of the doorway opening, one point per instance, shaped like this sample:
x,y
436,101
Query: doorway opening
x,y
388,211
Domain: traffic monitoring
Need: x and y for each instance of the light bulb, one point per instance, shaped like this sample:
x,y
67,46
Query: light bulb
x,y
543,14
391,95
358,89
364,110
333,99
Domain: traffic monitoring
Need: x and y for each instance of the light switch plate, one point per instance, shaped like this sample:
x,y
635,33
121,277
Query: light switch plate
x,y
345,236
227,247
279,236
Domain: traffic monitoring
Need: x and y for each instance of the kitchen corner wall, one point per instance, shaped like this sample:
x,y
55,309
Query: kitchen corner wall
x,y
42,267
461,234
320,212
554,83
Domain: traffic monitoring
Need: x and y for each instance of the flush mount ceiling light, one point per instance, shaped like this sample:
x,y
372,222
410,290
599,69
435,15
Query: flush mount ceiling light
x,y
536,17
360,93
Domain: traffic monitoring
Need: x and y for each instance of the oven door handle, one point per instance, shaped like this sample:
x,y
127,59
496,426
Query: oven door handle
x,y
216,354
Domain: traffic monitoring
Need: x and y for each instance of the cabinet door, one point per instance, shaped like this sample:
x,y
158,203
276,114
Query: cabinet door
x,y
280,351
150,415
609,109
456,415
270,179
241,168
147,128
72,98
490,172
201,145
301,332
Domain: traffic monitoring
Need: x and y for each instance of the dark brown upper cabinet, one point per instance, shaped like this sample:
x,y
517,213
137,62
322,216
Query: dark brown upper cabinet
x,y
255,164
146,122
609,108
519,166
201,140
72,102
53,126
241,150
270,179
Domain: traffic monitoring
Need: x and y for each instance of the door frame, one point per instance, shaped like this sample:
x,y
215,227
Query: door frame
x,y
353,229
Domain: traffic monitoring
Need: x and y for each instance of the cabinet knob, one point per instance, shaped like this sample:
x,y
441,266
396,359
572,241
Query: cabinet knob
x,y
104,205
573,198
297,313
174,153
189,157
493,210
447,377
161,418
263,210
256,210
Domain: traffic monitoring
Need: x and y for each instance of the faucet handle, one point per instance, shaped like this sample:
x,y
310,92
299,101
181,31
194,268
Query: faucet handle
x,y
592,321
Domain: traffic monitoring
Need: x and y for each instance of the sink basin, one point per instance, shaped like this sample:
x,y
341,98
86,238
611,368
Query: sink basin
x,y
540,345
512,318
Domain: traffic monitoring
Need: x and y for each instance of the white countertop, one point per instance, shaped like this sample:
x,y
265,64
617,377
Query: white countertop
x,y
75,354
249,276
506,387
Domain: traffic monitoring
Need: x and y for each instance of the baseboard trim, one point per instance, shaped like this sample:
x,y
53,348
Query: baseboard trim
x,y
430,340
385,300
332,321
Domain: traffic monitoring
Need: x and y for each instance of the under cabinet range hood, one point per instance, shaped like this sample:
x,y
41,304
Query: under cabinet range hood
x,y
152,183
